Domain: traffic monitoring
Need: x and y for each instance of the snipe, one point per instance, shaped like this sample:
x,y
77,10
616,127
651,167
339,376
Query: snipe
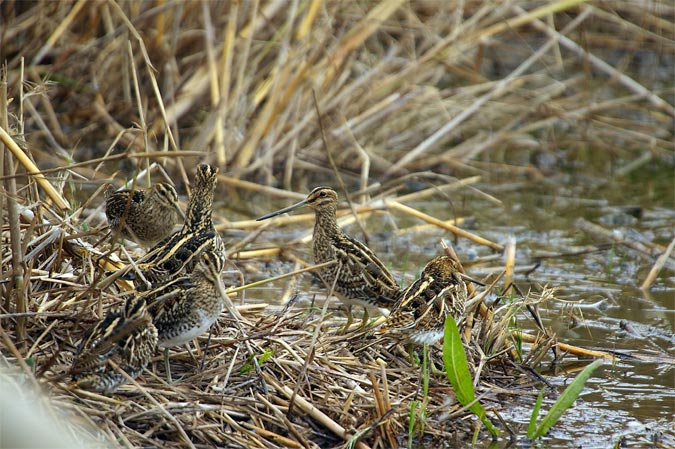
x,y
126,337
186,307
145,216
359,277
178,251
419,314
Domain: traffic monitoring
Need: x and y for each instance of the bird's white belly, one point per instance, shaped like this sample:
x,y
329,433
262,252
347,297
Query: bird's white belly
x,y
204,323
427,337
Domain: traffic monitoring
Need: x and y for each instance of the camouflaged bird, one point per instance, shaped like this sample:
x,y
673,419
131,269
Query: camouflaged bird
x,y
419,314
359,277
186,307
126,337
145,216
176,253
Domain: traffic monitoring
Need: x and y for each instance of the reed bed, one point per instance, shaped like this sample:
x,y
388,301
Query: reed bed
x,y
404,87
377,97
290,377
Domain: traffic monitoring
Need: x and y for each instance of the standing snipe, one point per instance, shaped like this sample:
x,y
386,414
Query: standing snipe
x,y
178,251
359,277
146,216
126,337
419,314
186,307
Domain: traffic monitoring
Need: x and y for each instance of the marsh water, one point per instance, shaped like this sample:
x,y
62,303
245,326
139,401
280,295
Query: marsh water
x,y
599,304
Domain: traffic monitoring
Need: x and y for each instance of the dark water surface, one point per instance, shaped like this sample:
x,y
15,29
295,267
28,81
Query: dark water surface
x,y
600,305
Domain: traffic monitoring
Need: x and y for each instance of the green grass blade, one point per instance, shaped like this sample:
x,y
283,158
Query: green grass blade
x,y
411,423
425,371
531,429
457,370
566,399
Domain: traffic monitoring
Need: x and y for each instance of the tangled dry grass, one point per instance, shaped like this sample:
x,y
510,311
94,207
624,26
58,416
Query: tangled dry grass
x,y
290,378
406,90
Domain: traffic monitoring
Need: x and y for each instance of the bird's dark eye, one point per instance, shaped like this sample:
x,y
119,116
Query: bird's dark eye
x,y
322,194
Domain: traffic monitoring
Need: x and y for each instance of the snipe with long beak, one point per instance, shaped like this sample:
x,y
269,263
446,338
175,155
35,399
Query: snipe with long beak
x,y
187,306
126,337
178,252
145,216
358,277
419,314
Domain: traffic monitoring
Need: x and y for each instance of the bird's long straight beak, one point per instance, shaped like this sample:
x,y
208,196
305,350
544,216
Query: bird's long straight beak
x,y
180,211
470,279
229,306
283,211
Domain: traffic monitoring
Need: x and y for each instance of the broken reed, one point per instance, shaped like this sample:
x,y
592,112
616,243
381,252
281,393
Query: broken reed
x,y
298,357
404,88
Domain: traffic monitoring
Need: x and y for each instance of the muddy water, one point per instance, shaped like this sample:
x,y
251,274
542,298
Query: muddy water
x,y
630,403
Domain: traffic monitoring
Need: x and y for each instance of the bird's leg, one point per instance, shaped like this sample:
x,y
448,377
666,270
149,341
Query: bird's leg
x,y
167,365
434,370
208,340
350,319
414,356
364,320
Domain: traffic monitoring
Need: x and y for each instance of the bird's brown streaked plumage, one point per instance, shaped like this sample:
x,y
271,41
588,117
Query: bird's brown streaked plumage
x,y
359,277
126,337
145,216
419,314
177,252
186,307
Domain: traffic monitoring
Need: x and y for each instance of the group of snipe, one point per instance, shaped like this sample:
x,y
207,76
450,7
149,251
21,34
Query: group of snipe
x,y
180,294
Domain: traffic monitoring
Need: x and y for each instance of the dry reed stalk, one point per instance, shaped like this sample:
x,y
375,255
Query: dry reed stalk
x,y
16,288
387,78
277,278
58,32
574,350
644,250
139,106
660,262
255,187
510,261
275,437
417,229
426,193
214,84
33,170
258,253
441,224
316,414
226,73
382,408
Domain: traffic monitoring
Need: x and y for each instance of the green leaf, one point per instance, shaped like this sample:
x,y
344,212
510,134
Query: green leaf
x,y
457,370
250,365
265,356
531,429
566,399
